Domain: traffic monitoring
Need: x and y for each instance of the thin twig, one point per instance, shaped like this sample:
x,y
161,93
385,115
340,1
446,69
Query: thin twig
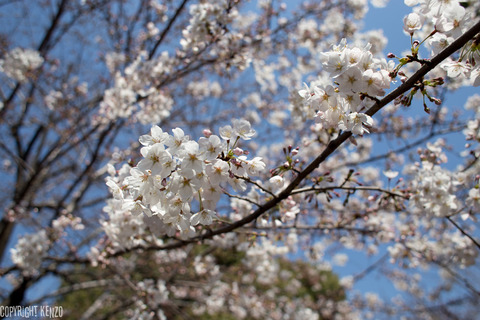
x,y
463,232
358,188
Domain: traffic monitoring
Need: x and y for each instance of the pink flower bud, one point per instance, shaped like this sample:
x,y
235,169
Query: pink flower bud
x,y
207,132
237,151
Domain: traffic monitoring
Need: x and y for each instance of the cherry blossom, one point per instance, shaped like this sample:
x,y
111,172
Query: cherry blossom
x,y
240,159
19,64
412,22
29,251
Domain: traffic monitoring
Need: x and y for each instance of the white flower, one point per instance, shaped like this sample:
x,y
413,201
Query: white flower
x,y
379,3
157,293
179,221
340,259
455,69
356,122
412,22
136,207
243,129
238,184
305,93
175,142
288,209
335,112
155,157
227,132
334,62
182,184
440,7
114,188
412,3
139,182
375,82
438,42
204,217
390,174
442,24
217,172
255,166
156,136
475,77
276,182
473,199
211,146
351,81
192,158
457,19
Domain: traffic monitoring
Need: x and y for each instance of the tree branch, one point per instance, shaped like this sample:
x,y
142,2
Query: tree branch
x,y
464,232
167,28
332,146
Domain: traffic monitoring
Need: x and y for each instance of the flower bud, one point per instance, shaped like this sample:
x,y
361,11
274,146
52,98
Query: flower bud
x,y
207,132
237,151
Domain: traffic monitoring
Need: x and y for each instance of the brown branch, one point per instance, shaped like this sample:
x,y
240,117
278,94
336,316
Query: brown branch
x,y
371,267
239,197
331,147
61,9
358,188
319,227
41,48
167,28
407,147
77,287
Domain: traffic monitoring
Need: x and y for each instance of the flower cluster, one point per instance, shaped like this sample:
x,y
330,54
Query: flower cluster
x,y
472,148
357,75
472,130
176,173
473,199
207,22
434,187
448,17
451,246
449,20
19,63
135,92
155,293
30,250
